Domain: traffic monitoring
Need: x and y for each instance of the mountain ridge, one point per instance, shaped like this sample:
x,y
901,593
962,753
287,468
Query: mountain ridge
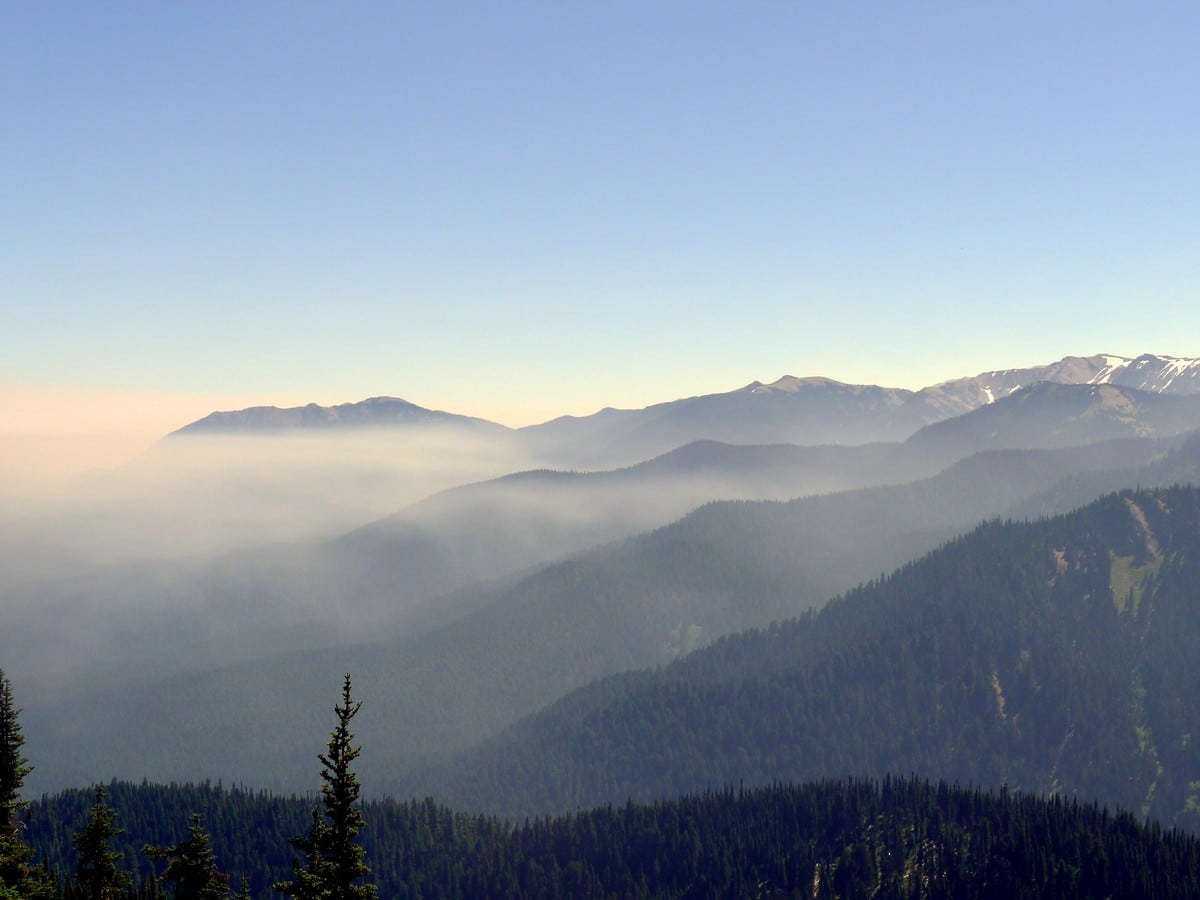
x,y
374,412
801,410
1047,656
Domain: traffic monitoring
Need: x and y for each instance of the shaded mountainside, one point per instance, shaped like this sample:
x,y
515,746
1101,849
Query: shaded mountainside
x,y
506,525
791,410
519,645
894,838
1054,656
1050,415
1178,465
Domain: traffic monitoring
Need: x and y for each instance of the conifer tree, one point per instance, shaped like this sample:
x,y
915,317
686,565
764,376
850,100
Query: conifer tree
x,y
193,866
333,861
18,877
13,766
98,874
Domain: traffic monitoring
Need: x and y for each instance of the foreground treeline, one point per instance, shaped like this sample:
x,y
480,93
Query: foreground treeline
x,y
89,863
899,837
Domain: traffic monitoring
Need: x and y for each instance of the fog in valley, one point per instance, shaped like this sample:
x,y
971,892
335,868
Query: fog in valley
x,y
208,550
193,496
90,561
223,581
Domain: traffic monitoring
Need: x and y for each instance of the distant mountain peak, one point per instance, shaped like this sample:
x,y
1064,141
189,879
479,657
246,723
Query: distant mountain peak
x,y
374,412
790,384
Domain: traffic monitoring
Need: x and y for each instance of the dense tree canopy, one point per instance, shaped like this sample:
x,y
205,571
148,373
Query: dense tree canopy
x,y
898,837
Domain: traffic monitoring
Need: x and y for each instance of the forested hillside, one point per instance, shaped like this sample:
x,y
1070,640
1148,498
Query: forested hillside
x,y
523,644
899,837
1055,656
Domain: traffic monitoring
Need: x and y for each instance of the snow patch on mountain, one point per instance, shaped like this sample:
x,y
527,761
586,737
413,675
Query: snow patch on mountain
x,y
1111,364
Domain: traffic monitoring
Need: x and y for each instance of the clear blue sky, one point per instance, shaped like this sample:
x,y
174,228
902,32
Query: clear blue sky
x,y
522,209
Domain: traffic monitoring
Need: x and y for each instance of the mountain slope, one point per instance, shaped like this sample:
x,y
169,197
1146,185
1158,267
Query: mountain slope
x,y
1049,415
1053,656
797,411
725,567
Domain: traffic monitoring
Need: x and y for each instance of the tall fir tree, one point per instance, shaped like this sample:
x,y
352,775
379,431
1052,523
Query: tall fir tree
x,y
98,872
19,878
193,866
13,766
334,864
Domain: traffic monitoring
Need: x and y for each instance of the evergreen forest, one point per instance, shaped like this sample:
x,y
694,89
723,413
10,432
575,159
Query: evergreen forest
x,y
895,837
1054,656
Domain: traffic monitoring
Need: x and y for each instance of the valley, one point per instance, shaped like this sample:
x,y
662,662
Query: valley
x,y
973,603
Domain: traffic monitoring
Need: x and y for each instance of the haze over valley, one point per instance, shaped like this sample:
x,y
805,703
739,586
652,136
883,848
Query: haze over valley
x,y
367,537
716,450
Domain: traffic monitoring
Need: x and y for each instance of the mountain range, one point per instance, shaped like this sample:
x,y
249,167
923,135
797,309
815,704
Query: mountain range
x,y
790,410
548,638
463,666
265,475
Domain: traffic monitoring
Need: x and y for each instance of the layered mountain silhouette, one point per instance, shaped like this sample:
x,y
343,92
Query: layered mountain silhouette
x,y
820,410
464,613
1053,657
379,572
513,646
790,410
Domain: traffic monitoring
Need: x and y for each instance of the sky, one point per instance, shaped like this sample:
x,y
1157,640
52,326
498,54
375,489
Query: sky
x,y
520,209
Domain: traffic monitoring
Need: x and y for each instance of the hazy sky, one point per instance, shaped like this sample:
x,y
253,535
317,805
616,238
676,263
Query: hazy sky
x,y
517,210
